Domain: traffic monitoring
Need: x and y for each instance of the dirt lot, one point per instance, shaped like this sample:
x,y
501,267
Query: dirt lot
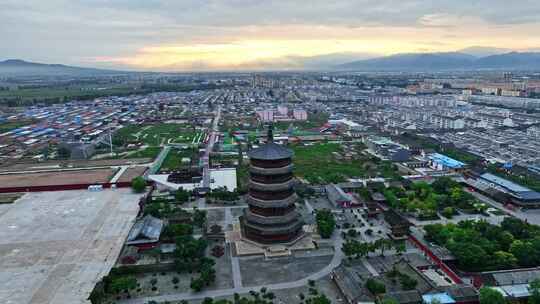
x,y
56,178
37,166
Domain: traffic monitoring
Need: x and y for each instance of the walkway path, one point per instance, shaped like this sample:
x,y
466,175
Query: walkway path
x,y
116,177
237,275
369,267
209,147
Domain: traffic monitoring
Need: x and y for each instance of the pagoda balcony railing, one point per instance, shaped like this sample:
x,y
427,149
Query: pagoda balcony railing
x,y
278,203
271,187
271,230
269,195
271,220
271,211
271,179
270,163
272,239
271,171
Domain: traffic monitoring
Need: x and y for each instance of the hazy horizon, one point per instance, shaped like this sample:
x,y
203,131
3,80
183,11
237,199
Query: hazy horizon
x,y
249,35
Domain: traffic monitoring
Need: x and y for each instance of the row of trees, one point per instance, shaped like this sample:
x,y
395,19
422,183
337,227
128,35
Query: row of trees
x,y
224,194
480,246
356,249
265,296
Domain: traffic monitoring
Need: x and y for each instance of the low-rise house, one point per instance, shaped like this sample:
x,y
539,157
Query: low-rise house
x,y
145,233
338,197
399,225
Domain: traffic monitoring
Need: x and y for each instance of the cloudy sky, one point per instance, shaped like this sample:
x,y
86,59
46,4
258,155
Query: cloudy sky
x,y
181,35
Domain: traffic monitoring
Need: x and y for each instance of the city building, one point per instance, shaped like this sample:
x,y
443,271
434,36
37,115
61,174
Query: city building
x,y
271,216
283,110
266,115
299,114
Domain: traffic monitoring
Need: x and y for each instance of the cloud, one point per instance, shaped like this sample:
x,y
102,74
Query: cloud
x,y
189,32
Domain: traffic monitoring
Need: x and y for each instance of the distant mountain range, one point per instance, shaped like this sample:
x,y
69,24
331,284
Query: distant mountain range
x,y
17,67
473,58
446,61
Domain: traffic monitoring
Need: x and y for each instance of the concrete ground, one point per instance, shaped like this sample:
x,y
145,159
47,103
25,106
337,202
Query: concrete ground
x,y
54,246
261,271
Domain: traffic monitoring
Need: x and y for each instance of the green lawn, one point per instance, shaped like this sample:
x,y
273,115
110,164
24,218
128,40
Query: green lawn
x,y
150,152
315,120
317,164
155,135
174,159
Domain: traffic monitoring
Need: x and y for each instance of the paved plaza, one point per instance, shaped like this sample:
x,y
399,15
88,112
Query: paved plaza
x,y
55,246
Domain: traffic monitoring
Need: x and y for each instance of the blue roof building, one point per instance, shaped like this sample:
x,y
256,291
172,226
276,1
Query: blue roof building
x,y
519,195
444,162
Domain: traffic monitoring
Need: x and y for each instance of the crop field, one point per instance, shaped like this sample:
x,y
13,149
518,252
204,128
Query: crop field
x,y
62,94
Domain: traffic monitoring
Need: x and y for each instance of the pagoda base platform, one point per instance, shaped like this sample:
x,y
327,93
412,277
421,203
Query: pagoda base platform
x,y
245,247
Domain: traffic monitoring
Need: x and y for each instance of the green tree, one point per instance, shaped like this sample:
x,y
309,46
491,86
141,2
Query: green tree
x,y
448,212
375,287
407,283
319,299
349,248
389,301
491,296
196,284
138,184
443,185
400,247
199,217
352,233
534,289
181,195
524,252
470,256
504,260
174,230
208,301
325,223
123,283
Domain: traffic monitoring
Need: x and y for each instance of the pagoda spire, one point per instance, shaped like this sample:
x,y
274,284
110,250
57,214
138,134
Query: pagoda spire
x,y
270,136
